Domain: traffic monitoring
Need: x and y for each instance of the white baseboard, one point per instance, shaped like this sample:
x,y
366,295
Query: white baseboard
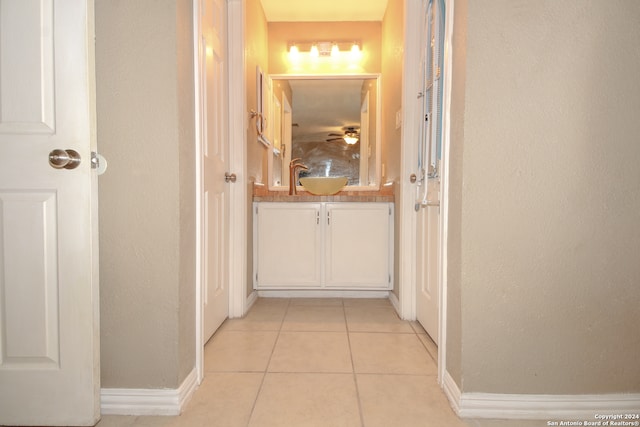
x,y
395,302
126,401
538,406
320,293
251,299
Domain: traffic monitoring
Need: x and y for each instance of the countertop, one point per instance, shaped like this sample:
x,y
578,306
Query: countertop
x,y
384,194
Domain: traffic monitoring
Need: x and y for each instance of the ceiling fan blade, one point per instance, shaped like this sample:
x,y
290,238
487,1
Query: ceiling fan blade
x,y
334,139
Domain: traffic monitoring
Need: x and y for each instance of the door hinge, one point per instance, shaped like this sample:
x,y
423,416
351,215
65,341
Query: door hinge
x,y
389,279
256,210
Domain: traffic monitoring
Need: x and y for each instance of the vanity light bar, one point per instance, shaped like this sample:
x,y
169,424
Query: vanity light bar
x,y
324,48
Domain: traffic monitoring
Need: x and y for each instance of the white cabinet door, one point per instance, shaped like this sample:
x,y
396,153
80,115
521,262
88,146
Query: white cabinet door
x,y
288,245
359,238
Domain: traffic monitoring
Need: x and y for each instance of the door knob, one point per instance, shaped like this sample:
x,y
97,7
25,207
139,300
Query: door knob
x,y
67,159
229,177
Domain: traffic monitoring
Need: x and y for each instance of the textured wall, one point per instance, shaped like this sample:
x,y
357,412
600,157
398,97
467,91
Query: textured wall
x,y
549,213
186,152
145,130
454,254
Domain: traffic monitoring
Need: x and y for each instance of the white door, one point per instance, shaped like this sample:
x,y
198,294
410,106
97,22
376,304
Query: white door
x,y
215,155
428,262
49,329
428,221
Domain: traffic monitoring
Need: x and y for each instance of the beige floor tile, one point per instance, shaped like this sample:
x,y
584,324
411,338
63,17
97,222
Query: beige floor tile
x,y
314,318
116,421
375,319
223,399
271,302
417,327
390,354
307,400
136,421
431,347
311,352
507,423
327,302
239,351
404,400
265,315
367,302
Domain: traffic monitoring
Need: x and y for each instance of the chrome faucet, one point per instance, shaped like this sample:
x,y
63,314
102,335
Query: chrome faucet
x,y
294,165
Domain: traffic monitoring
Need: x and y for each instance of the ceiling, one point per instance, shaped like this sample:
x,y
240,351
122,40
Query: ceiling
x,y
325,10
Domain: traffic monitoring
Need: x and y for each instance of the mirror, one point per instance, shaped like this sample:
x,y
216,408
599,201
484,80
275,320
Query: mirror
x,y
328,121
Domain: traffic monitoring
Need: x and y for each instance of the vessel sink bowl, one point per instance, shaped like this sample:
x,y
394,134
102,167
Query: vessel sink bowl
x,y
323,186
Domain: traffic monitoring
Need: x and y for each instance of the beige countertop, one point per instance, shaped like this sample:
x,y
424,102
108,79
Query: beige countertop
x,y
385,194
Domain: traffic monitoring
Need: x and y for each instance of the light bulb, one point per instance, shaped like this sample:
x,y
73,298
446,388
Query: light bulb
x,y
335,50
314,51
294,52
350,139
355,51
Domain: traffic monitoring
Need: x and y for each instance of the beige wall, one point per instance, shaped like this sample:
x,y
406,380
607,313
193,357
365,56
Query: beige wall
x,y
391,98
547,201
147,234
281,33
454,255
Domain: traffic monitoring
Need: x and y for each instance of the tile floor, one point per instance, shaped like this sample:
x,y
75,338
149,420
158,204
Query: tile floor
x,y
318,362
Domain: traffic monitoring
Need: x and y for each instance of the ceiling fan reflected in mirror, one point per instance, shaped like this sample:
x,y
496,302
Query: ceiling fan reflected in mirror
x,y
350,135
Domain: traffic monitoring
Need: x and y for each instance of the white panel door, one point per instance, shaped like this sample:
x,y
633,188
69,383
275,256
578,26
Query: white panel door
x,y
49,330
358,245
214,131
428,262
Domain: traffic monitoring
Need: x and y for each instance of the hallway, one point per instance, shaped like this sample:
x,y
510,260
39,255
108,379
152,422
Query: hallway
x,y
317,362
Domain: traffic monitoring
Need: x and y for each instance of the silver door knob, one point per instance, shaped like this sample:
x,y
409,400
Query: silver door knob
x,y
413,178
67,159
229,177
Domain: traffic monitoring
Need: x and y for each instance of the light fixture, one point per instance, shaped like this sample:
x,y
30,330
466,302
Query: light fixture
x,y
350,139
336,50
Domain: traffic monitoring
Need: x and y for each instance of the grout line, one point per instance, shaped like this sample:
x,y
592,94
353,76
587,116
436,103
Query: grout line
x,y
353,368
266,369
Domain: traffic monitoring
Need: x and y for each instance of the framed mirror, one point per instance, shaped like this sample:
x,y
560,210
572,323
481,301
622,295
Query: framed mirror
x,y
330,122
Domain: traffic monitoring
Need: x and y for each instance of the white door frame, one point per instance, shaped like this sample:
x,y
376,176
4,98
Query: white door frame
x,y
410,133
237,191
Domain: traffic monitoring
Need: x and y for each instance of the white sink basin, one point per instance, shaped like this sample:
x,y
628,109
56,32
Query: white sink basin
x,y
323,186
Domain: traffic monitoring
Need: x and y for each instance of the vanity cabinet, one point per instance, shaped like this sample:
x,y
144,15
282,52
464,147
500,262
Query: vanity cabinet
x,y
325,245
286,237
